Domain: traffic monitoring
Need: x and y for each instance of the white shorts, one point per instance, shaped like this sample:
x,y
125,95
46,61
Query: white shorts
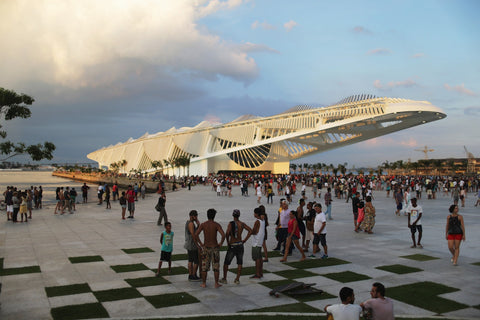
x,y
308,235
10,208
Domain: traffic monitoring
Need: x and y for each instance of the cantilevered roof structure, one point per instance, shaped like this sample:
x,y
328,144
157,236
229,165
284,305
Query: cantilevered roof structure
x,y
251,143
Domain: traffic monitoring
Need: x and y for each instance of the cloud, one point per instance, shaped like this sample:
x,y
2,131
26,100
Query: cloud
x,y
93,43
389,142
289,25
206,7
253,47
418,55
264,25
394,84
409,143
460,89
379,51
472,111
361,30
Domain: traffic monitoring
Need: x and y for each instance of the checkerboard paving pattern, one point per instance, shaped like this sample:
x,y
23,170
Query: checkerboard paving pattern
x,y
136,287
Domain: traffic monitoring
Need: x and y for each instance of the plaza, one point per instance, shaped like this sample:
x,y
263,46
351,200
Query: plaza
x,y
107,263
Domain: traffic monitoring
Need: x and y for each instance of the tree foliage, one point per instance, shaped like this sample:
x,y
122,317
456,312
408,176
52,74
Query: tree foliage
x,y
14,105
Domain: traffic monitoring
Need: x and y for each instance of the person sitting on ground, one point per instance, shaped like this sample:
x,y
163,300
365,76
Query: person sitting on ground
x,y
378,307
346,310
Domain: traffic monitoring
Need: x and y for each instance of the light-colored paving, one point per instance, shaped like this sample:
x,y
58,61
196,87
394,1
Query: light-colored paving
x,y
48,240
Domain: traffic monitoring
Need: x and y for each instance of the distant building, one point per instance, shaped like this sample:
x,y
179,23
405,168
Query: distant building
x,y
252,143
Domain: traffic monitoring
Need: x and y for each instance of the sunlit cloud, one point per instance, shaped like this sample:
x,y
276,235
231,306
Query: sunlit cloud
x,y
264,25
205,7
379,51
290,25
212,119
144,39
460,89
409,143
394,84
361,30
389,142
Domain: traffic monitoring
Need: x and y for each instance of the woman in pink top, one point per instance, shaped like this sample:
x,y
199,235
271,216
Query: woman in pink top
x,y
293,235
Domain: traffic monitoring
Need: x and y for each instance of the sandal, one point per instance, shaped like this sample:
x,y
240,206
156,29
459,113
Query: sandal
x,y
413,246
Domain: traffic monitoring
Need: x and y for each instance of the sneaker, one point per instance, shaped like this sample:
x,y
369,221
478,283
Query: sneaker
x,y
190,278
224,281
312,256
236,281
276,249
255,277
325,256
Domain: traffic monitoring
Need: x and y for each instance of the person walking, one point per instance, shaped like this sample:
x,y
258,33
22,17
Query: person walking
x,y
293,236
160,207
328,203
454,232
415,212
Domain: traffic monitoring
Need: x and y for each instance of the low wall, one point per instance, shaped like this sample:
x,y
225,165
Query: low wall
x,y
123,182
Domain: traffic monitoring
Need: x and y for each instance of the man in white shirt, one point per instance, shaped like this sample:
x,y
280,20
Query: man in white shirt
x,y
346,310
415,212
380,307
320,231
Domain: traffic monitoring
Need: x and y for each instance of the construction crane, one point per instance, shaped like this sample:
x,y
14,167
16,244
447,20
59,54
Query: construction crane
x,y
425,150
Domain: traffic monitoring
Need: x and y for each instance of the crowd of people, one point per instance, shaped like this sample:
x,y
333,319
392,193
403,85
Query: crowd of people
x,y
22,202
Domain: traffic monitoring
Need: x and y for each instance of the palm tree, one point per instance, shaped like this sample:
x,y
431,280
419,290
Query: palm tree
x,y
157,164
123,163
166,164
293,166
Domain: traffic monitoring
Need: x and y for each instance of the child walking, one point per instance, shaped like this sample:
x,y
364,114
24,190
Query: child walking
x,y
166,240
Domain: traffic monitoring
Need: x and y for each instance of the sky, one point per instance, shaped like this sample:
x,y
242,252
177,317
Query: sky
x,y
104,71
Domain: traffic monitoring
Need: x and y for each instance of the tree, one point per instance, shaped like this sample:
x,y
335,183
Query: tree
x,y
157,164
293,166
14,105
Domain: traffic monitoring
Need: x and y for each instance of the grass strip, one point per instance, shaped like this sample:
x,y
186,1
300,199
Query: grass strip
x,y
137,250
171,299
247,271
419,257
175,271
85,259
117,294
67,290
147,282
295,274
275,254
129,267
80,311
346,276
180,256
21,270
475,263
293,307
425,295
399,269
1,263
316,263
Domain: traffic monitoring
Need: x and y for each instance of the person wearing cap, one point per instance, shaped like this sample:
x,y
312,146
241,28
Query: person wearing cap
x,y
235,245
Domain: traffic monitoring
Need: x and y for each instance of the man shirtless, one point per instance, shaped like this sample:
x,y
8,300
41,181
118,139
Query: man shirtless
x,y
210,248
235,245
